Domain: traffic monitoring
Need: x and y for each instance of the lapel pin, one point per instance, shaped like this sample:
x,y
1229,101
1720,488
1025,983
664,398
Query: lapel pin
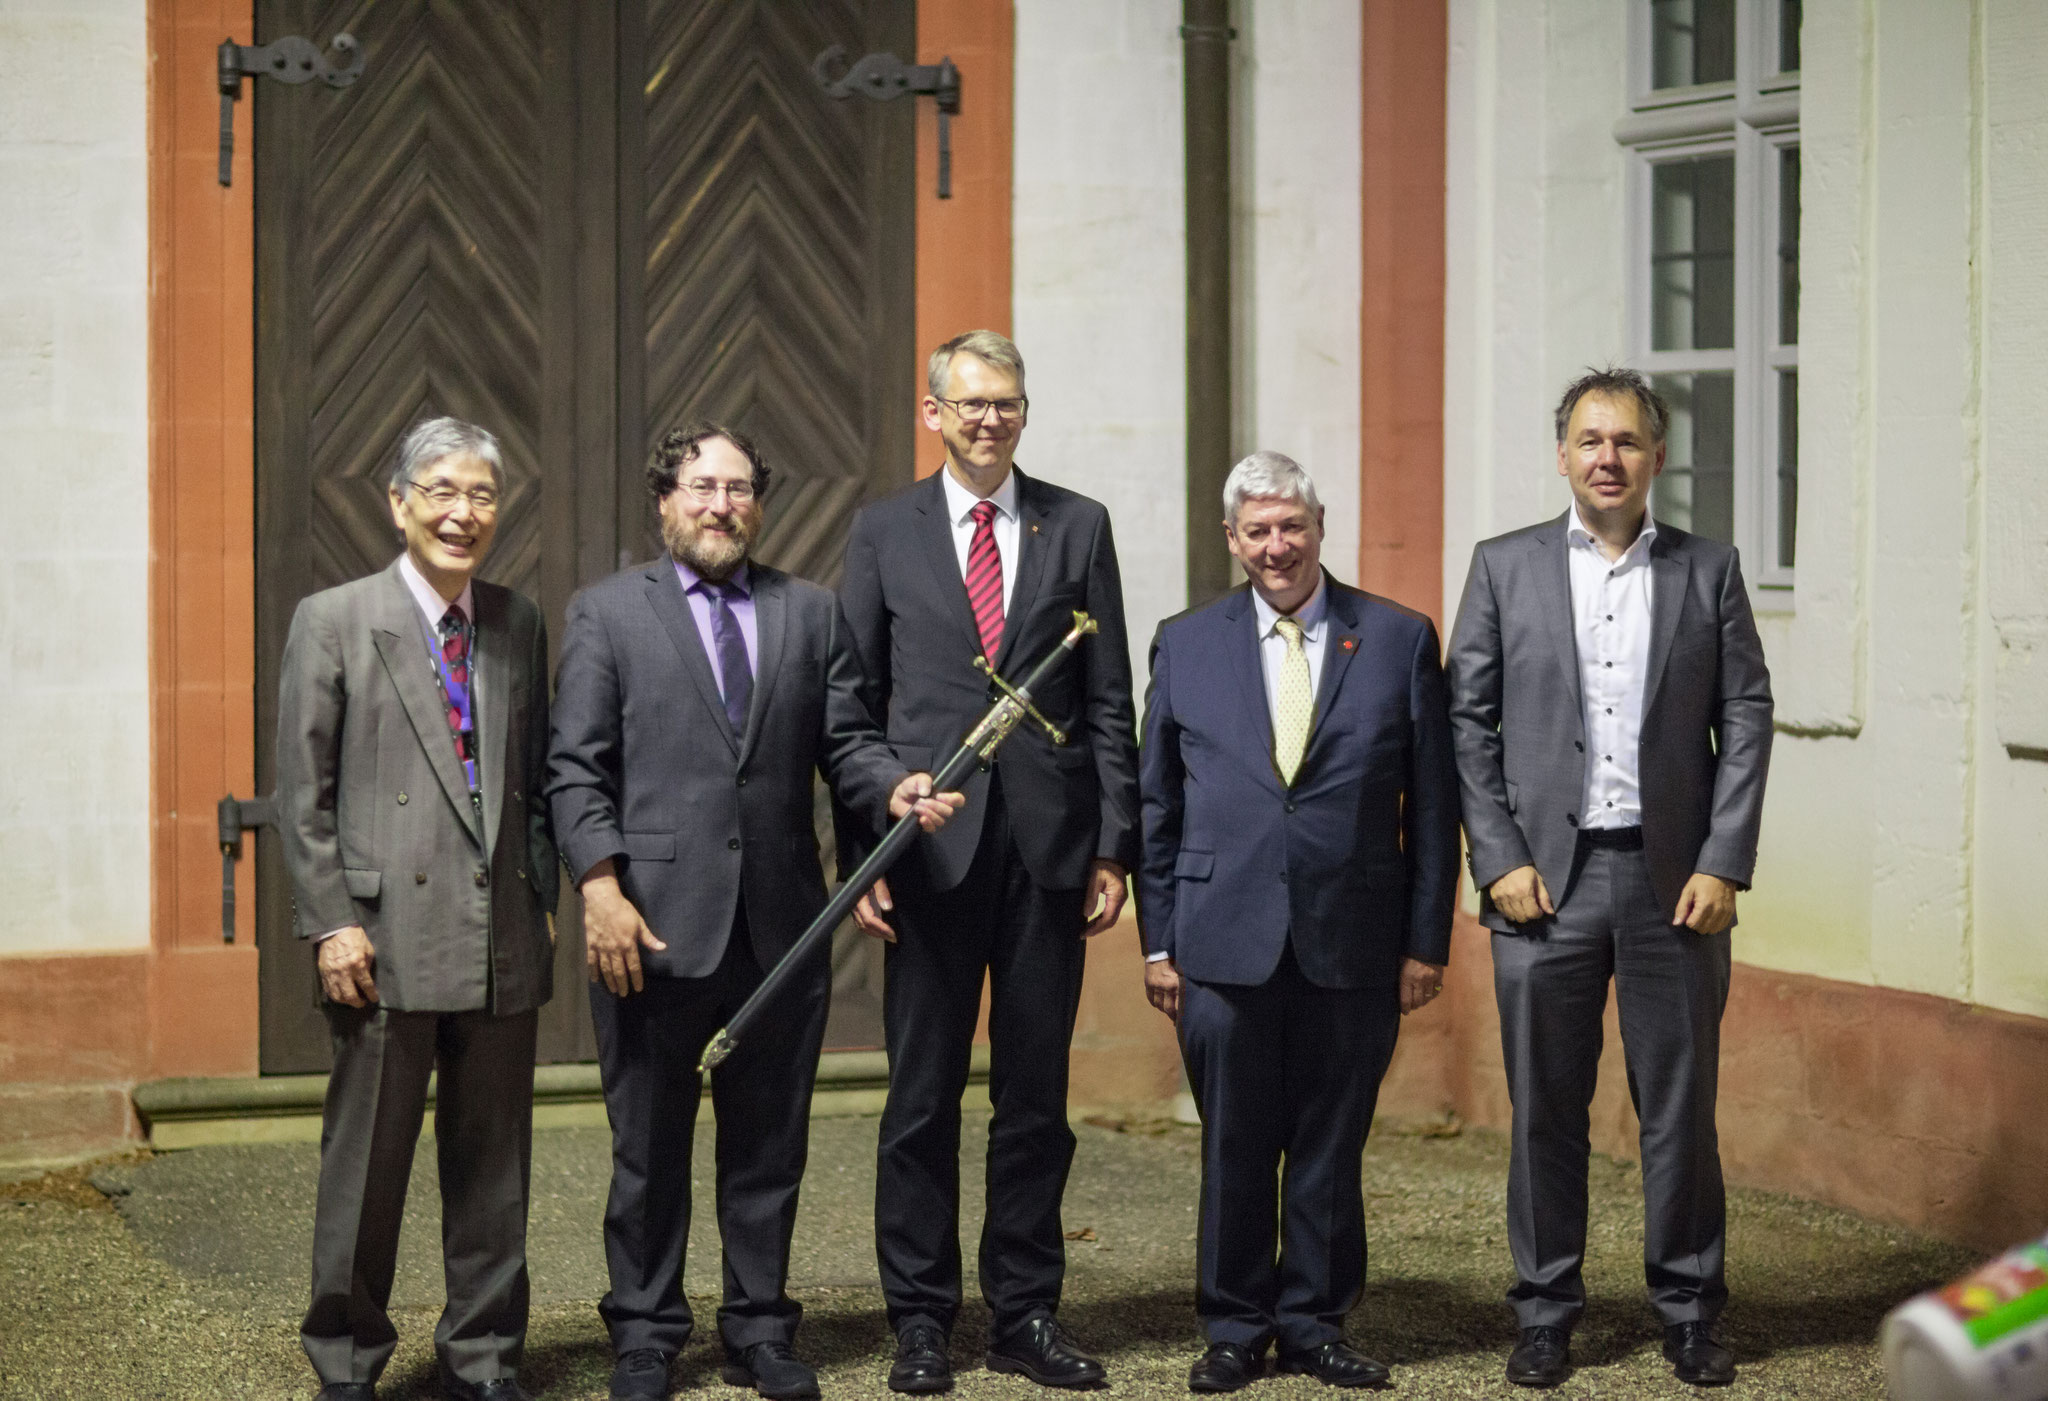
x,y
1034,528
1349,644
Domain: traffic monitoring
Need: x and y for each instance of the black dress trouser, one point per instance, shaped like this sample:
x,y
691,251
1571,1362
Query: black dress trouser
x,y
1027,940
648,1044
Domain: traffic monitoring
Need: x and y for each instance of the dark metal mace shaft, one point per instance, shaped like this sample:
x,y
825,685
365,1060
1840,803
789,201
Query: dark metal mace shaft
x,y
979,745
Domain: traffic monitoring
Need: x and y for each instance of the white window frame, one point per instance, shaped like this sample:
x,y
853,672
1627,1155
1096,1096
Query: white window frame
x,y
1755,116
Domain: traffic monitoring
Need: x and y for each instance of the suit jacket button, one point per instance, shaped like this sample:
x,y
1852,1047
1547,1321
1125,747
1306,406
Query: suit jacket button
x,y
732,844
520,874
1572,818
483,878
419,877
1290,807
401,800
740,782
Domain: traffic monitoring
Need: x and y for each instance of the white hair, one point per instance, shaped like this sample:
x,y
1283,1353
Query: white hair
x,y
432,439
1268,474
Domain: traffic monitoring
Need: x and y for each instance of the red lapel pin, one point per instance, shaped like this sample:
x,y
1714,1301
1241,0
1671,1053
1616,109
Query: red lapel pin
x,y
1349,644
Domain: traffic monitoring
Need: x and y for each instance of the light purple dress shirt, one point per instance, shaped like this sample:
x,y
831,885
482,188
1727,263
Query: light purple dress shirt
x,y
742,609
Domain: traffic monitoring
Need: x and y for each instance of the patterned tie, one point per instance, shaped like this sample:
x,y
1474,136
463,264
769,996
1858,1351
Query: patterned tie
x,y
454,673
985,579
735,672
1296,705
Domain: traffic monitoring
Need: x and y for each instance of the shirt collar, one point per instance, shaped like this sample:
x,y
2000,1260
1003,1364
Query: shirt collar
x,y
1310,615
429,598
738,579
1576,533
960,501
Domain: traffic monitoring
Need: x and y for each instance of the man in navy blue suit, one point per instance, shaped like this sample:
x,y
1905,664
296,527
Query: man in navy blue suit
x,y
1300,864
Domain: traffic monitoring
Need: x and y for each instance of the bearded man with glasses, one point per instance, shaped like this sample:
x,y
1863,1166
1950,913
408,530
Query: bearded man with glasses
x,y
411,742
980,560
698,696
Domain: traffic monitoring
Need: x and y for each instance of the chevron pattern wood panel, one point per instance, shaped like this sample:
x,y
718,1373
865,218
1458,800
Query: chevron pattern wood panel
x,y
577,225
758,254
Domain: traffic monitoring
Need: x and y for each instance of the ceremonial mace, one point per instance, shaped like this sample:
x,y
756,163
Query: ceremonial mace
x,y
979,747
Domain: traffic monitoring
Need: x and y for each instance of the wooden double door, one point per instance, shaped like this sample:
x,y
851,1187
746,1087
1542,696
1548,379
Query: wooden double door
x,y
578,225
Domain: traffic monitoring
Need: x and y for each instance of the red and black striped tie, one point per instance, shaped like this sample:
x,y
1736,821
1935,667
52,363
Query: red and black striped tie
x,y
985,579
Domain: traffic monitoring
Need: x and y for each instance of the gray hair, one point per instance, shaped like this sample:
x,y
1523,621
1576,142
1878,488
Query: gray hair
x,y
1268,474
992,346
432,439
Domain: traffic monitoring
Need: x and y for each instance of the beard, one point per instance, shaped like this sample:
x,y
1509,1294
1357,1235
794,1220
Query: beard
x,y
711,554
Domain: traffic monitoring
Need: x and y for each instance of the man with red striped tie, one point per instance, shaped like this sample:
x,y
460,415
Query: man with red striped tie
x,y
980,560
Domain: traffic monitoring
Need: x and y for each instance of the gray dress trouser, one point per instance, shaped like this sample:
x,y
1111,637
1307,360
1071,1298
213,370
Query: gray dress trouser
x,y
1670,985
483,1144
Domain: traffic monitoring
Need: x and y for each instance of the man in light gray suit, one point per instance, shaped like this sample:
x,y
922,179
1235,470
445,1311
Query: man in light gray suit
x,y
1612,716
699,696
411,739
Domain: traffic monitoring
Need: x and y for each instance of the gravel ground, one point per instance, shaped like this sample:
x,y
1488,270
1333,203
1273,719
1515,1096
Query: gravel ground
x,y
182,1275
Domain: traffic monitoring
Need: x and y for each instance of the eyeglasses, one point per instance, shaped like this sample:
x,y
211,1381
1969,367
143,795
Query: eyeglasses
x,y
706,490
974,410
442,497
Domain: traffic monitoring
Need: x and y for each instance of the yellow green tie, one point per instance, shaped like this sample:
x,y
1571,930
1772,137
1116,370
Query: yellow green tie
x,y
1296,705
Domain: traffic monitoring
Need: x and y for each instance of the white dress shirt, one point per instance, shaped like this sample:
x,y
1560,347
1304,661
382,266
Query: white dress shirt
x,y
1611,619
433,607
960,504
1314,617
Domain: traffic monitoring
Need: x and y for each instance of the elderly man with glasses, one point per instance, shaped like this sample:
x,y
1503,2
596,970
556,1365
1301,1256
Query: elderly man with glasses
x,y
411,739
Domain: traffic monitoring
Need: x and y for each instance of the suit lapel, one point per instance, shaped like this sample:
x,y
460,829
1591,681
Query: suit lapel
x,y
935,543
771,626
1251,676
1340,645
1553,574
1033,535
490,664
1670,568
665,597
400,635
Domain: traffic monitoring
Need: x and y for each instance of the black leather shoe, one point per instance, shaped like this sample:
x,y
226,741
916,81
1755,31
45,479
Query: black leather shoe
x,y
1696,1355
1043,1351
1335,1364
773,1370
1542,1358
496,1389
921,1363
1226,1367
641,1374
348,1391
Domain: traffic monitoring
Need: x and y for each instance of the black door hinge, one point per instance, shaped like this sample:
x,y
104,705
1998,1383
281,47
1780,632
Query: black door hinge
x,y
237,815
881,76
290,60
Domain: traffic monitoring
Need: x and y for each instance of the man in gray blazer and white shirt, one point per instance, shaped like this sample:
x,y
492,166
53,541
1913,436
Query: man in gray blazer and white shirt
x,y
1612,717
411,741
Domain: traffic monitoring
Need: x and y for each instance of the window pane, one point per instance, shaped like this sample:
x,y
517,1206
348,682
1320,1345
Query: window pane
x,y
1691,41
1788,464
1692,254
1788,246
1788,35
1697,490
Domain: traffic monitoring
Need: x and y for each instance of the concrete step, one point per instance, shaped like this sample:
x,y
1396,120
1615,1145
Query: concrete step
x,y
191,1113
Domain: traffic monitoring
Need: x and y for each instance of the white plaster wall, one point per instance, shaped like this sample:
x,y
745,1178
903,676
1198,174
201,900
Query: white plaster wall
x,y
74,744
1901,833
1297,259
1099,290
